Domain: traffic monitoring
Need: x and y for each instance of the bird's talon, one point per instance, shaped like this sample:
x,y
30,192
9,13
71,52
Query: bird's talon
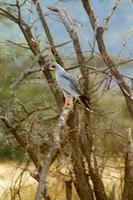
x,y
66,104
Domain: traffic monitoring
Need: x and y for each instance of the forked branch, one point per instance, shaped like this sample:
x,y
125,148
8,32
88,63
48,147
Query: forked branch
x,y
106,58
61,123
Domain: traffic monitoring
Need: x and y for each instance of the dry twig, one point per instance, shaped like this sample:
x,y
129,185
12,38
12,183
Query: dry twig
x,y
62,121
107,18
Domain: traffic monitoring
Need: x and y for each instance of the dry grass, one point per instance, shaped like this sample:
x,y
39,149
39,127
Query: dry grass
x,y
10,177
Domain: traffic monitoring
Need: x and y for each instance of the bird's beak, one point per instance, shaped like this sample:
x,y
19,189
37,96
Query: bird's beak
x,y
51,68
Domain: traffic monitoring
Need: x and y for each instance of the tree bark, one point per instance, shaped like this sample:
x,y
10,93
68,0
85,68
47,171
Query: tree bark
x,y
128,94
81,178
48,33
68,185
87,144
128,184
34,47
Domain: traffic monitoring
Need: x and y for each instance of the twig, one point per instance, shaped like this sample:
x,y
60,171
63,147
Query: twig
x,y
107,18
53,150
90,12
125,61
106,58
34,47
18,44
48,33
14,132
24,74
70,27
19,11
62,44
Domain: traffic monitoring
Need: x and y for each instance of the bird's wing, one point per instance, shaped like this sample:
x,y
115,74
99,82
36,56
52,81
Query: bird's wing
x,y
70,85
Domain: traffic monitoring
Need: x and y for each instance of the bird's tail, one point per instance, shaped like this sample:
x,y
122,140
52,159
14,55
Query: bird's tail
x,y
85,102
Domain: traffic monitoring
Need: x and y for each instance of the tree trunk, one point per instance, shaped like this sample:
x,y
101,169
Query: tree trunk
x,y
128,185
87,146
68,190
81,178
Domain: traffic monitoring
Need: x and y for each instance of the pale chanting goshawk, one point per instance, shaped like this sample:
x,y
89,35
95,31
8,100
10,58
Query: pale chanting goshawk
x,y
69,86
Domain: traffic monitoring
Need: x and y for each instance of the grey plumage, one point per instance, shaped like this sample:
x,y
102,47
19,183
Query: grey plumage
x,y
68,85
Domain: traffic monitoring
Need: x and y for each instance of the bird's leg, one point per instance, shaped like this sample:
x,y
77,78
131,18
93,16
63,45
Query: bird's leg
x,y
67,101
66,104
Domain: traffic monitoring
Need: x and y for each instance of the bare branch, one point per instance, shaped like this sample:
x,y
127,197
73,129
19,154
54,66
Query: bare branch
x,y
62,121
62,44
24,74
109,62
17,44
70,27
123,62
48,33
32,69
90,12
107,18
19,11
14,132
25,29
34,46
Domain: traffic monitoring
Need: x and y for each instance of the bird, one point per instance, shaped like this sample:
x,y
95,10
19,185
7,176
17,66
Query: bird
x,y
69,86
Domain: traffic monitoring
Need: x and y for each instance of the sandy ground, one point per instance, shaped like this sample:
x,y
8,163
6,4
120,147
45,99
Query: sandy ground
x,y
10,177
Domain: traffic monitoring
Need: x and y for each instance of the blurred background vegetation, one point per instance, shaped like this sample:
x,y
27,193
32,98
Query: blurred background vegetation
x,y
32,105
34,94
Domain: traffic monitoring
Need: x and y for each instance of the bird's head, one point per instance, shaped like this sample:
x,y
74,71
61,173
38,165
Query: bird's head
x,y
54,66
51,67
